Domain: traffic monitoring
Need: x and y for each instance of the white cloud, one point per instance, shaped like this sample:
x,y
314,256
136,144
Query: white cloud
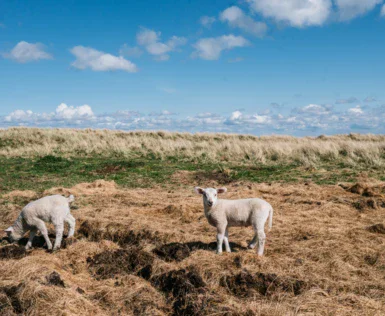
x,y
235,17
87,57
236,115
298,13
207,21
315,109
211,48
128,51
25,52
151,42
382,13
19,115
349,9
63,111
356,110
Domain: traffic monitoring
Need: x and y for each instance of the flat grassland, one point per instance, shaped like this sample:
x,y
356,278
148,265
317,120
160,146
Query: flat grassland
x,y
143,247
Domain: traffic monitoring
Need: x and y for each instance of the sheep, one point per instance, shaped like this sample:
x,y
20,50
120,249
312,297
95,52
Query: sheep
x,y
227,213
53,209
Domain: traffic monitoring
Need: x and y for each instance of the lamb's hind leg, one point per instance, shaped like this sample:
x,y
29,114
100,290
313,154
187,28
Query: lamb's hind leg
x,y
261,241
70,220
59,228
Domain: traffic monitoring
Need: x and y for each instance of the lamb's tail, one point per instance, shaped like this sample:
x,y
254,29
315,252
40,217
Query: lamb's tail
x,y
271,218
71,199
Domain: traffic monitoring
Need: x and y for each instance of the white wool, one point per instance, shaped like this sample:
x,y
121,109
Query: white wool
x,y
227,213
53,209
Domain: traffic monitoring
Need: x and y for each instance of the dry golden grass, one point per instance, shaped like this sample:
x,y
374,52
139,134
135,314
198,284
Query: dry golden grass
x,y
320,257
352,149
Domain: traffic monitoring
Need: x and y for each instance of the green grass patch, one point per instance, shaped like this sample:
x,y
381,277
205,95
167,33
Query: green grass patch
x,y
41,173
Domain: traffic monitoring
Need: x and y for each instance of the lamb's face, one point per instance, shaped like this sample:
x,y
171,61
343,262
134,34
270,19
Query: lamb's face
x,y
12,235
210,195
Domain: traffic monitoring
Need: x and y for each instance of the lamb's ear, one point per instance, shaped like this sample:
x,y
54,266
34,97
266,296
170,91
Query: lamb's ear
x,y
199,190
9,229
221,190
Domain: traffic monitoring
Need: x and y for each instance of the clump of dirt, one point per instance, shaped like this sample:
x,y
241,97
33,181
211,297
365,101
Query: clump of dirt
x,y
12,252
372,259
91,230
238,262
377,228
109,264
357,188
12,302
55,279
364,204
66,242
120,234
245,284
187,290
173,252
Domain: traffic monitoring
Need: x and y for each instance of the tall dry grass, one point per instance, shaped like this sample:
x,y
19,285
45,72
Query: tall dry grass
x,y
352,149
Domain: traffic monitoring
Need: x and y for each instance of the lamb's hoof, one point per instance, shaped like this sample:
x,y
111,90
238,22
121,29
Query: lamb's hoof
x,y
251,246
219,252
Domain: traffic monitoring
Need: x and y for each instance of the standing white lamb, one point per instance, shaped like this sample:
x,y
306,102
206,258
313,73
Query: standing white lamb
x,y
226,213
53,209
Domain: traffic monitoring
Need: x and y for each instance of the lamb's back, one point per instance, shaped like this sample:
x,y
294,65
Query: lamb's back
x,y
45,207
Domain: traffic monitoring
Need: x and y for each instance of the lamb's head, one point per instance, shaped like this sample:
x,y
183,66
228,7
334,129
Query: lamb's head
x,y
210,195
12,234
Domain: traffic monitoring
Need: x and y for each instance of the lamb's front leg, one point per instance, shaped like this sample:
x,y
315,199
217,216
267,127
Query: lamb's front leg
x,y
32,234
226,239
43,229
220,236
59,228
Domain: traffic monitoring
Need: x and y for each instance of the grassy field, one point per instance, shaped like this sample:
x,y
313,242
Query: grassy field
x,y
143,247
39,159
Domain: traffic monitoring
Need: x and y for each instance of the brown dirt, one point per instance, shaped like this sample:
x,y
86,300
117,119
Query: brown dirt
x,y
12,252
109,264
11,302
55,279
377,228
156,256
245,284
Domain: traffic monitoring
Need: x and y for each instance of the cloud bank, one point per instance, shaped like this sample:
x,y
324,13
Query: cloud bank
x,y
311,119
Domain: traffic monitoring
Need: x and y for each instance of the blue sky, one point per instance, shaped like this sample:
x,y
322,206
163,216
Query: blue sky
x,y
299,67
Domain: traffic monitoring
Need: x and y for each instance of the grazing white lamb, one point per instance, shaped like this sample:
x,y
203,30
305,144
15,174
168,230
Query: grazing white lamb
x,y
226,213
53,209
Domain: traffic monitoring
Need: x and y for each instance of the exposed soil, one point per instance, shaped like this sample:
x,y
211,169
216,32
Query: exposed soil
x,y
12,252
246,284
55,279
377,228
110,264
11,302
